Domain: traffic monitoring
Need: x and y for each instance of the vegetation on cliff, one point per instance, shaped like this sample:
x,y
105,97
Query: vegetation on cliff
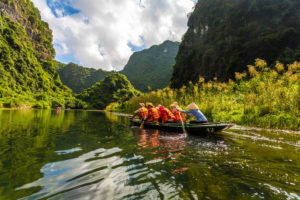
x,y
224,36
79,78
114,88
261,97
27,70
152,67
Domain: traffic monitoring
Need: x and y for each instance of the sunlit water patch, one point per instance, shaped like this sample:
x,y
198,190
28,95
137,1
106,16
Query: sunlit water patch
x,y
68,150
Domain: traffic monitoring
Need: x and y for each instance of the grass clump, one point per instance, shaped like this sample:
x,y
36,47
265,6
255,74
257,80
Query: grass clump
x,y
262,96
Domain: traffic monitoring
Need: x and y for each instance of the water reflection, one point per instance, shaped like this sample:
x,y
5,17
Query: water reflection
x,y
164,146
96,155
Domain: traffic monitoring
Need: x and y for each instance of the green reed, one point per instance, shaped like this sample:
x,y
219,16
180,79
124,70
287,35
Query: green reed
x,y
262,96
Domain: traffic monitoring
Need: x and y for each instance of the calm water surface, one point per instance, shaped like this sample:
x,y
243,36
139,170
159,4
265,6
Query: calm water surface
x,y
94,155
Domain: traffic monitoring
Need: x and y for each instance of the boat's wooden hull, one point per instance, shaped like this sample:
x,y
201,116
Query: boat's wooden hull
x,y
190,128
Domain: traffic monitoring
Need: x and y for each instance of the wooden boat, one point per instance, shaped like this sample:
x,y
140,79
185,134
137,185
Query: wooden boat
x,y
209,127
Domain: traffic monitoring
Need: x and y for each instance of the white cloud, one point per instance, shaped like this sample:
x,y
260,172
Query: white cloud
x,y
98,36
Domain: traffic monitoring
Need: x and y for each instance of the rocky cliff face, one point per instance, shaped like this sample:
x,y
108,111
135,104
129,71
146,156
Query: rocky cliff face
x,y
27,69
25,14
224,37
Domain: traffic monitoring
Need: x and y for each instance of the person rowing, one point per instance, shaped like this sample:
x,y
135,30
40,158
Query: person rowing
x,y
176,112
142,112
195,113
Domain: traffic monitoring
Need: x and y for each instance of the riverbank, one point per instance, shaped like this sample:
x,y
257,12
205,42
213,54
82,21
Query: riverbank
x,y
262,97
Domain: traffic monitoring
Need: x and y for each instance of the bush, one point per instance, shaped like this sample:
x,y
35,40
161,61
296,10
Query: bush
x,y
38,105
58,103
41,97
70,103
80,104
8,104
42,105
115,107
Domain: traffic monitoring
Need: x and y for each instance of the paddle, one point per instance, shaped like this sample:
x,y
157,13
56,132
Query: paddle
x,y
142,124
183,129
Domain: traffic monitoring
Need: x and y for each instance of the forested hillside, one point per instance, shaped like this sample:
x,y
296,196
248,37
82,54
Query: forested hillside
x,y
223,37
114,88
27,70
79,78
152,67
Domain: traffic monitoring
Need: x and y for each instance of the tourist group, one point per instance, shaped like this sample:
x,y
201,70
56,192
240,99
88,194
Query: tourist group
x,y
174,113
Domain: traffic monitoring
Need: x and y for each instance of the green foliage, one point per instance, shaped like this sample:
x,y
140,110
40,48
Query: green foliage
x,y
224,36
79,78
28,74
116,107
59,65
114,88
262,97
152,67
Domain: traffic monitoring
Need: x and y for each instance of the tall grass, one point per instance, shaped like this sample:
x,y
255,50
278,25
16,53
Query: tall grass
x,y
261,96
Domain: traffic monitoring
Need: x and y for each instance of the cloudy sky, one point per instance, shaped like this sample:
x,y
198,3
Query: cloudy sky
x,y
104,33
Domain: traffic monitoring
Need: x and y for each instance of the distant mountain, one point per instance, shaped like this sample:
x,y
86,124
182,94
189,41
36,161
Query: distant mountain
x,y
27,70
148,68
114,88
152,67
224,37
79,78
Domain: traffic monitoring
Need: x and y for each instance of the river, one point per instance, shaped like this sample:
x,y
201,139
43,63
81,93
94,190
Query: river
x,y
97,155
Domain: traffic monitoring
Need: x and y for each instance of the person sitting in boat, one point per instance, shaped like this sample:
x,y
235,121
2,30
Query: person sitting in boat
x,y
195,113
153,115
159,111
142,112
176,112
165,115
171,117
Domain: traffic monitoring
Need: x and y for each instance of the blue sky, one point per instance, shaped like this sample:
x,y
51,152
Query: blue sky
x,y
64,5
105,33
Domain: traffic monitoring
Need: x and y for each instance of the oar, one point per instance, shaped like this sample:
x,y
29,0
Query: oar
x,y
142,124
184,131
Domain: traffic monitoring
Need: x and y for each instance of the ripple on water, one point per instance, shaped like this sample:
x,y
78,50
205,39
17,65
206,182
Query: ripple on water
x,y
266,137
144,164
102,172
60,152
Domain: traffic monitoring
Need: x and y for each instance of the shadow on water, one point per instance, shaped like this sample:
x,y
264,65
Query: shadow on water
x,y
97,155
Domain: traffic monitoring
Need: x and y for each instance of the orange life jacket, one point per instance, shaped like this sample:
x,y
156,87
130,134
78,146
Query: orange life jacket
x,y
177,117
159,113
152,115
183,117
143,113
